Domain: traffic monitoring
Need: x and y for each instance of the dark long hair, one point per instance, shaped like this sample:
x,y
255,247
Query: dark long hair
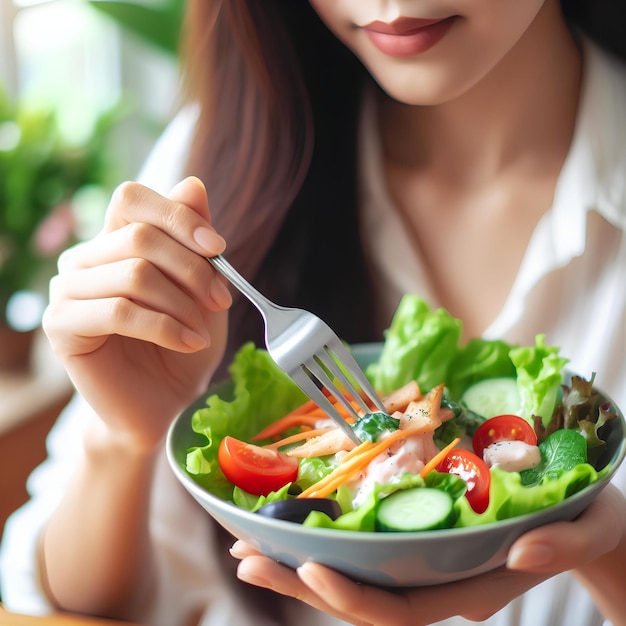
x,y
276,146
604,21
266,74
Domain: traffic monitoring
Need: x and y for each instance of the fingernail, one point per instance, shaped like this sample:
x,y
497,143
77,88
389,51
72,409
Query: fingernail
x,y
238,550
193,340
219,292
209,240
184,182
254,579
530,557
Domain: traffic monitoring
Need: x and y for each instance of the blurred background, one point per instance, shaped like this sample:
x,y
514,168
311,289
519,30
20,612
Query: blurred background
x,y
86,87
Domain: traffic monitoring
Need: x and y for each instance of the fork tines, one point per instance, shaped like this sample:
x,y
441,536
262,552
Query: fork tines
x,y
325,362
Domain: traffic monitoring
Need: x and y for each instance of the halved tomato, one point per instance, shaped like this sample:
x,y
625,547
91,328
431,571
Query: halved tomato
x,y
474,471
255,469
503,428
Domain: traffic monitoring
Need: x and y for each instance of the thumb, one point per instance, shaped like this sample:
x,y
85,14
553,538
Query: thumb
x,y
192,193
568,545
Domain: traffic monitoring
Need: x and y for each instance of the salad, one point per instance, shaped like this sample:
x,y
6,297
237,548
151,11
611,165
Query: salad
x,y
473,433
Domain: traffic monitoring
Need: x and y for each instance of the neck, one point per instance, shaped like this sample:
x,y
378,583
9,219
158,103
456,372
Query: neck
x,y
528,100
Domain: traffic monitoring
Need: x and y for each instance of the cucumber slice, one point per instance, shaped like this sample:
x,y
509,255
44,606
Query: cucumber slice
x,y
493,396
420,508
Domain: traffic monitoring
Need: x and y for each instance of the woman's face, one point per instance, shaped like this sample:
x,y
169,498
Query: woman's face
x,y
431,51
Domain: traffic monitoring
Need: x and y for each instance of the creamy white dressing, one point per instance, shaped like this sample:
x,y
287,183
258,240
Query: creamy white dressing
x,y
512,456
408,455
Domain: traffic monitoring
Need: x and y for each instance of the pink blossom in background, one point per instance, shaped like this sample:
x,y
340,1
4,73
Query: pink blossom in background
x,y
55,232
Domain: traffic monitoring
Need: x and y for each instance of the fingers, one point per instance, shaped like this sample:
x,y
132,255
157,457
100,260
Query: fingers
x,y
184,219
541,553
262,571
143,242
145,276
138,280
475,598
192,192
86,324
568,545
188,225
265,572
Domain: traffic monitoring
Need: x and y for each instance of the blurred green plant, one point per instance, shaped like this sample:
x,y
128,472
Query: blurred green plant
x,y
40,176
156,21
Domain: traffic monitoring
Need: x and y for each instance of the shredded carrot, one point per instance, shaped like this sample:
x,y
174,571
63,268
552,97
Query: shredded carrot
x,y
306,414
339,475
432,464
343,411
309,405
306,434
292,420
332,485
350,467
363,447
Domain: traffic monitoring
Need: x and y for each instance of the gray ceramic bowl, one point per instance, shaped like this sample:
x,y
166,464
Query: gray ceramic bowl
x,y
386,559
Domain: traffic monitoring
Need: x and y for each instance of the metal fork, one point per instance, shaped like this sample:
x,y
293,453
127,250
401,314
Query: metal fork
x,y
306,348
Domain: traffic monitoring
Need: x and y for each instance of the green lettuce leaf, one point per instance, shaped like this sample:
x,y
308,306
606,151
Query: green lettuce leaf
x,y
420,345
539,372
560,452
252,502
508,497
262,393
314,469
371,426
477,360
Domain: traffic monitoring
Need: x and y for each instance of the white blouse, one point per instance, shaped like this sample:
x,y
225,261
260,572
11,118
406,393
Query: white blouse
x,y
571,286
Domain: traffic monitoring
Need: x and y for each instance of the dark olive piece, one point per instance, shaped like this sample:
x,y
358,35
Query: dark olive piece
x,y
297,509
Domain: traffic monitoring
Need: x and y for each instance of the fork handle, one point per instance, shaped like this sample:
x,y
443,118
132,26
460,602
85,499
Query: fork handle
x,y
236,279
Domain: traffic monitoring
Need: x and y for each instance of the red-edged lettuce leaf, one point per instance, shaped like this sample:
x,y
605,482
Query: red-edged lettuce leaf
x,y
583,410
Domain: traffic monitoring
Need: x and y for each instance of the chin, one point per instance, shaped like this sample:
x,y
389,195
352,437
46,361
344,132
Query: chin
x,y
423,86
421,92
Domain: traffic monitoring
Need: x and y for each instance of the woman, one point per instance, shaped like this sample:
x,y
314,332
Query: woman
x,y
351,150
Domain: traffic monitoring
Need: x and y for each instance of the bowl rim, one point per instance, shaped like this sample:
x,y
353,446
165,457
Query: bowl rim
x,y
228,507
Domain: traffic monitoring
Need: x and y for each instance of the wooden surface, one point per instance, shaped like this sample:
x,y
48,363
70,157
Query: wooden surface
x,y
22,448
57,619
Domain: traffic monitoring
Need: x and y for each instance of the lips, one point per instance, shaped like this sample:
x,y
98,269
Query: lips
x,y
407,36
401,26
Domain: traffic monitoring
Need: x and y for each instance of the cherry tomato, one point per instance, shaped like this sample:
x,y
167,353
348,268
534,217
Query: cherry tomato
x,y
503,428
474,471
254,469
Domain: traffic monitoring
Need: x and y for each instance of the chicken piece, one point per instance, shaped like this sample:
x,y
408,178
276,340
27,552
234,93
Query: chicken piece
x,y
424,412
330,442
399,399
